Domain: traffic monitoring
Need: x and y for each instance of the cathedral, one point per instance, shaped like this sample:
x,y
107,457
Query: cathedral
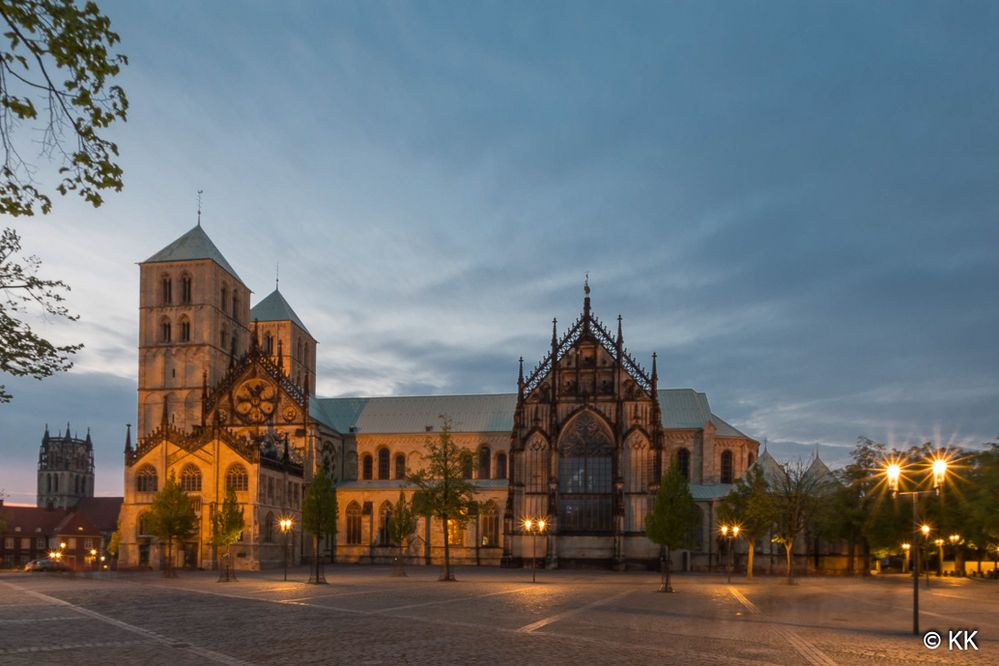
x,y
226,400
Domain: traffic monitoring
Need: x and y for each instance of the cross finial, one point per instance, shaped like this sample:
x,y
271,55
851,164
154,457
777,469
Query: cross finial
x,y
200,192
277,275
586,284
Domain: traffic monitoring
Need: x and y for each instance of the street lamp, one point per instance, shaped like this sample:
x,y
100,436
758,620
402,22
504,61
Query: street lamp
x,y
940,555
285,524
955,540
730,532
534,527
905,548
893,474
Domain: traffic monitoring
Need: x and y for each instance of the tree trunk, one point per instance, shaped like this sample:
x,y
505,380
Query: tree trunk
x,y
446,576
168,571
788,549
749,559
400,565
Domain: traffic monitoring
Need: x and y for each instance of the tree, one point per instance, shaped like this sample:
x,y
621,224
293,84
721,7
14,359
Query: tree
x,y
442,492
672,519
319,514
24,353
796,496
171,518
751,505
114,543
982,526
401,528
55,77
227,526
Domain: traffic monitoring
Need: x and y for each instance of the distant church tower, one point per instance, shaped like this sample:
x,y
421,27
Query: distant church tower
x,y
65,470
194,315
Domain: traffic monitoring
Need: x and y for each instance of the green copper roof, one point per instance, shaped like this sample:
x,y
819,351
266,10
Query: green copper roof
x,y
195,244
682,408
276,308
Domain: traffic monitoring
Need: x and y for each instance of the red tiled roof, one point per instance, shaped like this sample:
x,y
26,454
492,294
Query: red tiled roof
x,y
30,519
102,512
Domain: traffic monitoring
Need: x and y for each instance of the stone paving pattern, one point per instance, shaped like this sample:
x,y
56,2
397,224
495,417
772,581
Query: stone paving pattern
x,y
489,616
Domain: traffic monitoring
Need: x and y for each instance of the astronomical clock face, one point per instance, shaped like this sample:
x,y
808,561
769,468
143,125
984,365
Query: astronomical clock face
x,y
255,400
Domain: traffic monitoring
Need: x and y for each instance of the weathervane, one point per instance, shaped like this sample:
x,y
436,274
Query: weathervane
x,y
586,283
277,275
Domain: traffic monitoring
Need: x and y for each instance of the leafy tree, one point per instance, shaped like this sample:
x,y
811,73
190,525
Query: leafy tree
x,y
442,492
56,89
319,514
796,496
982,525
171,518
672,519
227,525
401,528
24,353
114,543
752,507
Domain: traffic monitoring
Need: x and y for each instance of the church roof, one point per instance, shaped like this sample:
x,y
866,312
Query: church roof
x,y
275,308
195,244
681,409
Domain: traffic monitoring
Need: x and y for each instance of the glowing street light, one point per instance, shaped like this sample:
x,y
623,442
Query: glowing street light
x,y
730,532
534,527
285,524
905,548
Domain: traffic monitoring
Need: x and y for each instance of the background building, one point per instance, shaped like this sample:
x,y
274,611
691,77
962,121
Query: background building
x,y
65,470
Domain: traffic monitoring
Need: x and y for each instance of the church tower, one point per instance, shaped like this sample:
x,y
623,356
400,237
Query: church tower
x,y
194,314
65,470
285,339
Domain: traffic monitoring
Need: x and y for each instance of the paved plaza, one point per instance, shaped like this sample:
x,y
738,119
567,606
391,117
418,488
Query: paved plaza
x,y
489,616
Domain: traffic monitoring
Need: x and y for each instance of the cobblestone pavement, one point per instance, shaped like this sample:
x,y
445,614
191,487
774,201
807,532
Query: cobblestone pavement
x,y
490,616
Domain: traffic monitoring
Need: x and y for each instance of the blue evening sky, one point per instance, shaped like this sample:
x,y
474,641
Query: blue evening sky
x,y
795,204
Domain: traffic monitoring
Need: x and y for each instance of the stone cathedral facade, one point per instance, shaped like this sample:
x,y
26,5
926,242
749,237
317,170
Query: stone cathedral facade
x,y
227,400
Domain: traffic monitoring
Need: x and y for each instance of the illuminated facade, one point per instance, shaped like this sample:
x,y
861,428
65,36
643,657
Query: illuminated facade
x,y
226,399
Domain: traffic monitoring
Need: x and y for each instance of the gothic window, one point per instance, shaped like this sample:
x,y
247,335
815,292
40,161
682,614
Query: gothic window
x,y
167,290
383,463
268,536
145,480
366,467
585,483
236,478
268,343
164,330
190,479
235,305
353,523
384,518
400,466
536,465
223,337
726,467
185,329
500,465
485,463
55,484
683,463
490,525
225,298
185,289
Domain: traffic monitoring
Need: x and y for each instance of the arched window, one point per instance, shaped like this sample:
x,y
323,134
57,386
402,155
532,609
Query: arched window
x,y
48,480
268,536
145,480
185,329
353,523
384,518
683,463
400,466
166,292
235,305
366,467
236,478
165,330
485,463
585,483
466,464
223,337
751,459
225,298
383,463
55,483
500,466
185,289
268,343
536,465
490,525
190,479
726,467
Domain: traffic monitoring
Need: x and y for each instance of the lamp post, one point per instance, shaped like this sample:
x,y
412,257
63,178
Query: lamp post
x,y
285,524
955,540
534,527
939,543
730,532
905,548
893,474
